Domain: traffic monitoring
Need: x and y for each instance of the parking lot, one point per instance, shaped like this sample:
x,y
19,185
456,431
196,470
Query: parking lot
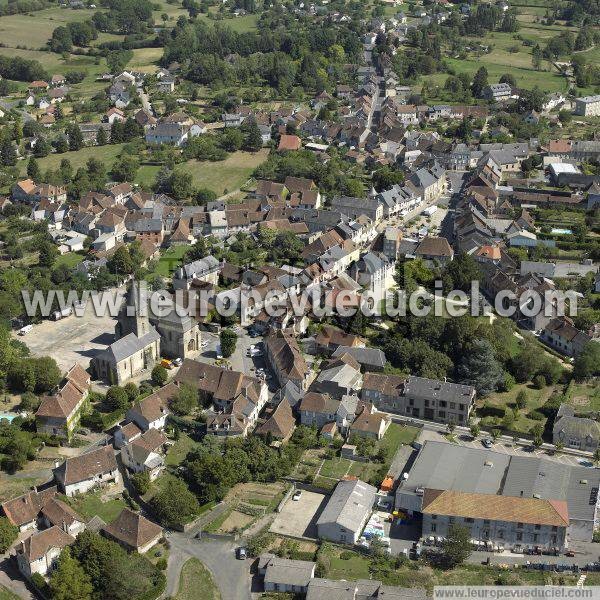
x,y
72,339
505,447
299,518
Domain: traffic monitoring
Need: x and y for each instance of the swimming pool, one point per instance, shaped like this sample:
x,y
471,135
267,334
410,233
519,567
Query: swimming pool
x,y
561,231
8,416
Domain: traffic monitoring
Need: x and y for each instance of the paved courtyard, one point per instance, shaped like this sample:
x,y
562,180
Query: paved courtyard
x,y
72,339
299,518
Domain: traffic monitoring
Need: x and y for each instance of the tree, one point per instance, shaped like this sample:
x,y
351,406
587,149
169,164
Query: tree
x,y
451,427
587,362
69,581
180,184
495,433
8,152
456,546
101,138
125,168
117,398
480,368
132,391
186,400
475,430
480,81
33,170
159,375
253,141
8,534
228,340
558,446
521,400
75,137
141,482
42,148
536,57
174,504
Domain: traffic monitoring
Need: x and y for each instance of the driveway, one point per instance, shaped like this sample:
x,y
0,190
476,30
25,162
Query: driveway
x,y
232,576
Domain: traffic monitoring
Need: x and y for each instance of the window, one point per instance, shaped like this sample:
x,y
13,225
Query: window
x,y
443,404
452,404
433,528
468,520
519,536
520,525
434,517
442,414
486,521
537,527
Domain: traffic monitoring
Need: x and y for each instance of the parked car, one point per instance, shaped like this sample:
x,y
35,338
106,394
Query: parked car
x,y
487,442
166,363
241,553
297,495
177,362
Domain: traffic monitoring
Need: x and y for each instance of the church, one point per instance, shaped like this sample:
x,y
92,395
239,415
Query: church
x,y
142,338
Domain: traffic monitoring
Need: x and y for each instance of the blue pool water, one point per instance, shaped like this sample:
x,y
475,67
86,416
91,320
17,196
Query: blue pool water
x,y
562,231
8,416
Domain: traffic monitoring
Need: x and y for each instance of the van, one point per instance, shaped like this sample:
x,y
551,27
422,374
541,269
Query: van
x,y
25,330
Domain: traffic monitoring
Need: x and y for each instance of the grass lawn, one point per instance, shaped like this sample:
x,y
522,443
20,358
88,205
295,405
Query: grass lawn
x,y
356,567
6,594
196,582
71,260
584,397
535,399
226,175
169,261
107,154
90,505
145,59
179,450
396,435
336,468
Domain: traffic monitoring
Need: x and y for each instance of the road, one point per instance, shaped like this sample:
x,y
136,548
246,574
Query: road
x,y
232,576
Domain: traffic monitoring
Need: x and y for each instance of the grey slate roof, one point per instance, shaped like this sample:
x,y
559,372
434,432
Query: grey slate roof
x,y
367,357
349,504
445,466
433,389
130,344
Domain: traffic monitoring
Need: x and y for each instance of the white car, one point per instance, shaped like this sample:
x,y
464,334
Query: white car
x,y
297,495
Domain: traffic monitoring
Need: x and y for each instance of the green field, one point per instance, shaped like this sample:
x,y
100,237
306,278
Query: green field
x,y
33,30
196,582
179,450
107,154
335,468
226,175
